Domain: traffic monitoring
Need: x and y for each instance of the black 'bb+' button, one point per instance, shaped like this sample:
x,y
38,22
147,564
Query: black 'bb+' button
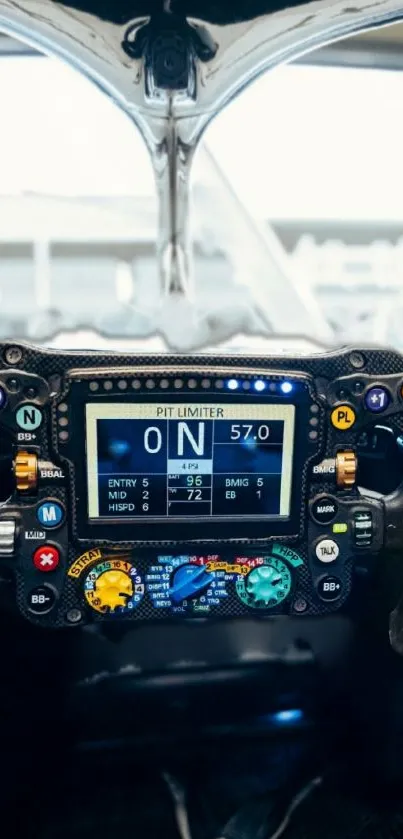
x,y
324,509
330,587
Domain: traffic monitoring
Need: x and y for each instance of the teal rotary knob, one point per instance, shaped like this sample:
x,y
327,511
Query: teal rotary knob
x,y
266,585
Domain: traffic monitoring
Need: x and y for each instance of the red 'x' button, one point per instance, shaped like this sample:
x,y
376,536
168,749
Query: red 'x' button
x,y
46,558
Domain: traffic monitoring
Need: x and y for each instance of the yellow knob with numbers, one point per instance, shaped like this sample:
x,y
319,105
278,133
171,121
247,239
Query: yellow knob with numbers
x,y
112,585
112,589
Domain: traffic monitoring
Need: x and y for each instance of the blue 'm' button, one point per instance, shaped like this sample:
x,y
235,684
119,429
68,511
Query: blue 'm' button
x,y
50,514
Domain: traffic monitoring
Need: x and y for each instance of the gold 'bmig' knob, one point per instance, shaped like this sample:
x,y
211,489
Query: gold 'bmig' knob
x,y
346,469
26,471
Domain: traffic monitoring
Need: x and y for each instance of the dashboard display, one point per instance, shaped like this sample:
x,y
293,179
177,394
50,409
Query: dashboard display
x,y
195,460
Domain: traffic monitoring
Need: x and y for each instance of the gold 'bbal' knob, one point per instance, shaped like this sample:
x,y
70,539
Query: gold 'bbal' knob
x,y
26,471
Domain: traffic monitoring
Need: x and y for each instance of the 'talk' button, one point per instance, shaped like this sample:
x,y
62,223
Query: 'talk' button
x,y
46,558
327,550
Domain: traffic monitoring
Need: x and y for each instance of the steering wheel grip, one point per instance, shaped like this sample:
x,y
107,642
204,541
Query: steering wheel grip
x,y
393,505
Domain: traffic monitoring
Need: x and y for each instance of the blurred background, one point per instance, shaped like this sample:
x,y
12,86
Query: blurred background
x,y
297,207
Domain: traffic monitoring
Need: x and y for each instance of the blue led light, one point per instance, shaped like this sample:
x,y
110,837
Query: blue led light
x,y
288,717
232,384
286,387
118,448
259,385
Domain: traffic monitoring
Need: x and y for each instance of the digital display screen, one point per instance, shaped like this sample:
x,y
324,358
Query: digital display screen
x,y
177,460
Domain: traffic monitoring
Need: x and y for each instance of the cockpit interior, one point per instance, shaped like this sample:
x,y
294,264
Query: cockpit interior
x,y
201,445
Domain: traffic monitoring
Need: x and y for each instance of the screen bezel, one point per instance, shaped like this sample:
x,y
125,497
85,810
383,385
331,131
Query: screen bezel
x,y
174,531
121,411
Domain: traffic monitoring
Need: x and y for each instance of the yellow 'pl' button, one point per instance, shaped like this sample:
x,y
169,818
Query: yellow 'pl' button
x,y
342,417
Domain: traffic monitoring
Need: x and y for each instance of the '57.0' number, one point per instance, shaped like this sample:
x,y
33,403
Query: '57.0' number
x,y
251,432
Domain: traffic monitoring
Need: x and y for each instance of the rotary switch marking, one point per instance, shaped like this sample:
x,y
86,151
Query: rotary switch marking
x,y
189,581
113,588
266,585
112,585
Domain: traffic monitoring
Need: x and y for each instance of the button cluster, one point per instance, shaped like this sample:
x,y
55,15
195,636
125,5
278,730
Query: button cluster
x,y
376,400
324,510
355,532
46,558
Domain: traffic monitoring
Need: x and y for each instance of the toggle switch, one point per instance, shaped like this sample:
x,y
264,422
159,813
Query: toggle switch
x,y
7,537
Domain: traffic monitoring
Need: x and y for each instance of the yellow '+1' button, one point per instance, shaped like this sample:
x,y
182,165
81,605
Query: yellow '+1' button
x,y
342,417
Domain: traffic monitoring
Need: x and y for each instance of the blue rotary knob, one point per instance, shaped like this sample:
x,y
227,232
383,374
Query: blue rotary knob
x,y
189,581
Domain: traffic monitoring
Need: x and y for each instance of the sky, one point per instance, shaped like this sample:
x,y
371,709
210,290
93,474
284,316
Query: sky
x,y
301,142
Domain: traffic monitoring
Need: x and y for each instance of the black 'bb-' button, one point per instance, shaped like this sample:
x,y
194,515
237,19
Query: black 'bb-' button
x,y
324,509
41,599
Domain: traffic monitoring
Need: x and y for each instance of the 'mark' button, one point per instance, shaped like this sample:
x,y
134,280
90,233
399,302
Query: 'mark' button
x,y
342,417
324,509
50,514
